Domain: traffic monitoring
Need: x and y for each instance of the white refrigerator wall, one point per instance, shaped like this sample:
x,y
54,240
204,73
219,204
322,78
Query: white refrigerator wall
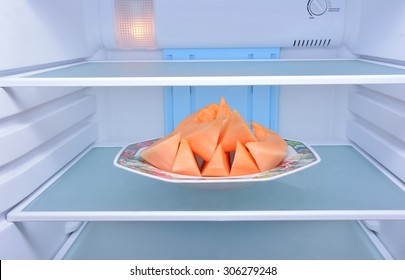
x,y
49,127
375,28
47,32
41,129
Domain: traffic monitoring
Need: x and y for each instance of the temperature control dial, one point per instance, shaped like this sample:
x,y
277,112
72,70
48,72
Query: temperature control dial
x,y
317,7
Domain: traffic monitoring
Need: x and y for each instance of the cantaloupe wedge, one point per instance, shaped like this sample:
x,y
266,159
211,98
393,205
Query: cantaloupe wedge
x,y
261,131
203,138
269,150
162,153
185,162
223,109
243,162
218,165
264,134
265,154
205,114
235,129
211,135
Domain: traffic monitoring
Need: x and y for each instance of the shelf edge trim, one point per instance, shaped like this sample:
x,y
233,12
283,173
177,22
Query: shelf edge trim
x,y
293,215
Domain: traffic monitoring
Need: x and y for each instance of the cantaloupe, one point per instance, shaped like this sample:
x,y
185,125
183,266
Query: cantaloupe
x,y
235,129
265,154
203,138
269,150
260,131
162,153
185,162
243,162
264,134
218,165
211,134
205,114
223,109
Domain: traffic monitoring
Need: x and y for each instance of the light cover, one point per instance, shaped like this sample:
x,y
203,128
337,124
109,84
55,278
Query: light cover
x,y
134,24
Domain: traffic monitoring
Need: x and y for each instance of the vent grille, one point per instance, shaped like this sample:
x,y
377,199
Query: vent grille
x,y
312,43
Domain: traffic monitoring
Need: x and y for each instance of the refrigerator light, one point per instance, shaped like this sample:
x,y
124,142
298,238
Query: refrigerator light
x,y
134,24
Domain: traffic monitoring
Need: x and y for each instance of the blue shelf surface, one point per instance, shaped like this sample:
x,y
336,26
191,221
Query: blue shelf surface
x,y
313,240
343,186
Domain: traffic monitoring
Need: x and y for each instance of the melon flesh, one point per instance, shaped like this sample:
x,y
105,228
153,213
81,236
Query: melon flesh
x,y
202,145
266,155
235,129
269,150
260,131
223,109
162,153
264,134
243,162
185,162
218,165
203,138
205,114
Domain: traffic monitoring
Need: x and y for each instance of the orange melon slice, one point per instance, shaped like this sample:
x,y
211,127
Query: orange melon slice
x,y
203,138
162,153
235,129
265,134
260,131
269,150
243,162
218,165
185,162
209,138
205,114
266,155
223,109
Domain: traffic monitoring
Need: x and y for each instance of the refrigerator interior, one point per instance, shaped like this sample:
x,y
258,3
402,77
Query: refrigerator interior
x,y
46,128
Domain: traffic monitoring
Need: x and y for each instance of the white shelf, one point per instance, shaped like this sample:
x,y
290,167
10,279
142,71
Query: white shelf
x,y
343,186
196,73
253,240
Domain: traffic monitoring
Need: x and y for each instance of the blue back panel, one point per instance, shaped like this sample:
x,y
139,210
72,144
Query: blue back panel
x,y
258,103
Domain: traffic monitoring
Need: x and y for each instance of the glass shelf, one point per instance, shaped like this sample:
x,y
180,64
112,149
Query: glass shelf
x,y
312,240
343,186
195,73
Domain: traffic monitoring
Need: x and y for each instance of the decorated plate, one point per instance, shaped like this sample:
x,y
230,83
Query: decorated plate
x,y
299,157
